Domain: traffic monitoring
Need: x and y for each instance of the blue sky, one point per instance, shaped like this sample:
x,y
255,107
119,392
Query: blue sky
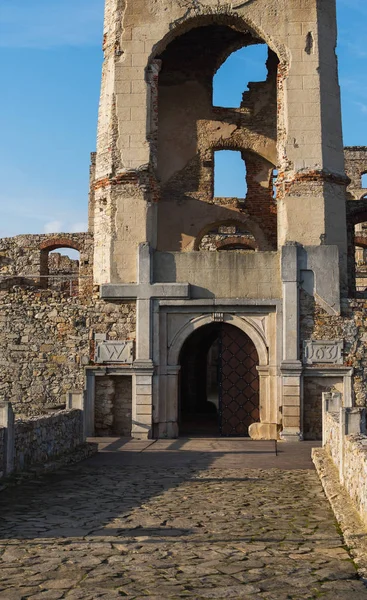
x,y
50,61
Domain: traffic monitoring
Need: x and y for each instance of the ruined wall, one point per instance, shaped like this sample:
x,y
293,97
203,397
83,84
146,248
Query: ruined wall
x,y
158,128
22,257
46,340
349,455
350,326
191,129
113,406
39,440
355,471
355,167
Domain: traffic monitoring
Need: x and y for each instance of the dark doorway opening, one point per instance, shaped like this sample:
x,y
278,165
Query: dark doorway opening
x,y
219,382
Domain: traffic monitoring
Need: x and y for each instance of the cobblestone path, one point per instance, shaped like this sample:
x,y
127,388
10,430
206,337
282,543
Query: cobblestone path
x,y
158,530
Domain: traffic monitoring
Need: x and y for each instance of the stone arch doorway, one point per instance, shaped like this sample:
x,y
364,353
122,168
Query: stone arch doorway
x,y
219,382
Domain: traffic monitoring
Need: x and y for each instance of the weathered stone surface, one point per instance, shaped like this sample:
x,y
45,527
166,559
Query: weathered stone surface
x,y
191,530
345,510
115,352
39,440
349,455
323,352
264,431
60,331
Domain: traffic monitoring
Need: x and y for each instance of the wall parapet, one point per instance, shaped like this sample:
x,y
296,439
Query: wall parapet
x,y
345,441
39,441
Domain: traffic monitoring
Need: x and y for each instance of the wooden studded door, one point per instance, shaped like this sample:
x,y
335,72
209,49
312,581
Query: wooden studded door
x,y
238,383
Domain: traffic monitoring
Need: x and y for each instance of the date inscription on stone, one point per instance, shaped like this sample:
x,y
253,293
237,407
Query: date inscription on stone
x,y
115,352
322,352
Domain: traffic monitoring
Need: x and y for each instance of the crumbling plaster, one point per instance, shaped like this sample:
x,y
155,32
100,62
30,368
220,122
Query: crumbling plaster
x,y
304,134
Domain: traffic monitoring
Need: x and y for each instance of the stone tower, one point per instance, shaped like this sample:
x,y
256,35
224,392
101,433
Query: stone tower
x,y
221,284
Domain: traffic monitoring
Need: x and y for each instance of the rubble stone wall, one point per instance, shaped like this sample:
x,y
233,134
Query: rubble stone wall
x,y
41,439
355,167
350,457
113,406
350,326
355,471
47,339
20,256
332,436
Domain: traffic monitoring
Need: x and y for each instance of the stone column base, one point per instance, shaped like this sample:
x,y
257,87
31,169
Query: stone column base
x,y
264,431
291,434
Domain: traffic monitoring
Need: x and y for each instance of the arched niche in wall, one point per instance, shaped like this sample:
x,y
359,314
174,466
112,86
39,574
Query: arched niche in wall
x,y
60,265
228,235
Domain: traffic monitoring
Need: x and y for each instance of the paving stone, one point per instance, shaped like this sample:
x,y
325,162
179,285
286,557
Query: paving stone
x,y
195,532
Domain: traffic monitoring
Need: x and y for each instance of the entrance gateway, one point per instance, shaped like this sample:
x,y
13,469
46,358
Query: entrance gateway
x,y
271,263
219,382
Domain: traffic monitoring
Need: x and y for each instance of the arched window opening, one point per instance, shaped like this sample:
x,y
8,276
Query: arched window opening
x,y
60,270
227,237
238,73
364,181
230,175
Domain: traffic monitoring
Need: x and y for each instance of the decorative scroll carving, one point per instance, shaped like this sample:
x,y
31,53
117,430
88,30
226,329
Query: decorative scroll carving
x,y
115,352
323,352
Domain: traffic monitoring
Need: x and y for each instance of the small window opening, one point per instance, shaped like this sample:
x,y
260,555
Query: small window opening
x,y
364,181
232,78
228,237
230,175
60,270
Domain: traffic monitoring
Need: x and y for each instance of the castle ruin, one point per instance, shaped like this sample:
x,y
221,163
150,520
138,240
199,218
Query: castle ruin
x,y
191,313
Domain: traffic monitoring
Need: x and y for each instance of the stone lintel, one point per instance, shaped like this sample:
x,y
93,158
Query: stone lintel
x,y
145,291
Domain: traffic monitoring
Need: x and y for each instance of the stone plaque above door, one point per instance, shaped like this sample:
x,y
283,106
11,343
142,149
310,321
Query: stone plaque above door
x,y
121,352
323,352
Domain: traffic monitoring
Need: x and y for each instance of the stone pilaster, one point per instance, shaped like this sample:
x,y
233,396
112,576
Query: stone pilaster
x,y
291,368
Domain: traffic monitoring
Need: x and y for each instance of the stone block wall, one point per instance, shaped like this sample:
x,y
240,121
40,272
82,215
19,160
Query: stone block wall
x,y
332,436
349,455
113,406
39,440
355,471
47,339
